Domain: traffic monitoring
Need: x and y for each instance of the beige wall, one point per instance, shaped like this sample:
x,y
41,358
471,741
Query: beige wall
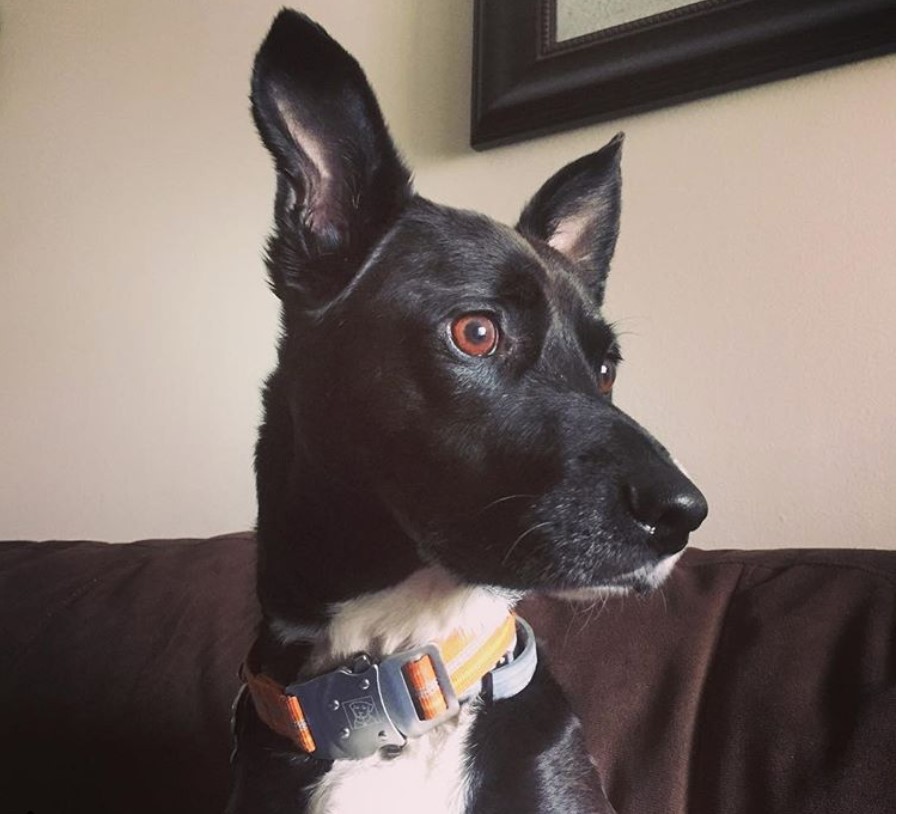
x,y
754,282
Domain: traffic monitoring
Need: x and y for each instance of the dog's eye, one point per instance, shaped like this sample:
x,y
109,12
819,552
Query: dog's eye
x,y
607,375
475,334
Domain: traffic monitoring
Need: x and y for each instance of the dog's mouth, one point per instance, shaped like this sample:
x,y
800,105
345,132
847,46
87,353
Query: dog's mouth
x,y
643,580
561,543
574,567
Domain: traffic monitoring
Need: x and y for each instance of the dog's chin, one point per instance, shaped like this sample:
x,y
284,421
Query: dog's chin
x,y
643,581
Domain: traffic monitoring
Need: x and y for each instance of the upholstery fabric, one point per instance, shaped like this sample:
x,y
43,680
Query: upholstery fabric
x,y
753,682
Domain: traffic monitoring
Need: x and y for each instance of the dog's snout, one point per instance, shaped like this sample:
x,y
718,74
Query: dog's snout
x,y
669,506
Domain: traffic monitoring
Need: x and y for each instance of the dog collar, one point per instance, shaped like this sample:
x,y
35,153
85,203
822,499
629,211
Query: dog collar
x,y
355,710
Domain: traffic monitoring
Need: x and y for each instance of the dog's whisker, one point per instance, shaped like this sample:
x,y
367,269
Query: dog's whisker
x,y
594,611
505,499
620,330
569,626
516,542
663,598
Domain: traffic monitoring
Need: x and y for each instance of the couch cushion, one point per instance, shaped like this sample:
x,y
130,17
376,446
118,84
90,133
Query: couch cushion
x,y
755,681
118,666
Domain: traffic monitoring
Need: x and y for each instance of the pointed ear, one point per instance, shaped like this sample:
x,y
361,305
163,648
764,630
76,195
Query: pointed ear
x,y
340,181
577,213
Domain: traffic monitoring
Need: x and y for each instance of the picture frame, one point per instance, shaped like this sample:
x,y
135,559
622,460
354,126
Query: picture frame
x,y
526,83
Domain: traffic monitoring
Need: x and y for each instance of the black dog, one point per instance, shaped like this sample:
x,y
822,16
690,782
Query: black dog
x,y
439,439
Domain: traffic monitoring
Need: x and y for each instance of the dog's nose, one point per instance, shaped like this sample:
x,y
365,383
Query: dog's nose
x,y
670,506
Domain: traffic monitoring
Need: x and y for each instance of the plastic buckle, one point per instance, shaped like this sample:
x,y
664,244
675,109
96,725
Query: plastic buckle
x,y
399,699
354,714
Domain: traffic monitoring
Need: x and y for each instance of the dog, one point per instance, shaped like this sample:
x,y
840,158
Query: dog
x,y
439,439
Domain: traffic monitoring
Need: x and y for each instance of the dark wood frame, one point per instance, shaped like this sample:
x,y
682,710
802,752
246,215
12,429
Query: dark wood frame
x,y
525,85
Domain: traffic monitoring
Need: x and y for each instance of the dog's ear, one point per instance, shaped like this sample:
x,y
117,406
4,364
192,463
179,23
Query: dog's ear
x,y
340,181
577,212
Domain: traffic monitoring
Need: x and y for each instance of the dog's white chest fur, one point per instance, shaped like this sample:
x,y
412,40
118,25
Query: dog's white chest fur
x,y
429,774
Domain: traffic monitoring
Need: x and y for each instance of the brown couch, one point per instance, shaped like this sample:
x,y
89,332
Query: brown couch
x,y
756,682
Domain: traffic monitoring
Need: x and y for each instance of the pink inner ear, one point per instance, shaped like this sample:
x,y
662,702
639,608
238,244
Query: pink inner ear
x,y
567,237
322,207
302,137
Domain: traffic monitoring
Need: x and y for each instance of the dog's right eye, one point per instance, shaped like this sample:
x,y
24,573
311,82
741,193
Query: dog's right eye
x,y
475,334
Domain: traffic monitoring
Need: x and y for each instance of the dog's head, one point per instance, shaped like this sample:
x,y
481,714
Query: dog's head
x,y
453,374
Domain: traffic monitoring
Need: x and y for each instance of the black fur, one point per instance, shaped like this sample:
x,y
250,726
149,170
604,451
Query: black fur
x,y
385,448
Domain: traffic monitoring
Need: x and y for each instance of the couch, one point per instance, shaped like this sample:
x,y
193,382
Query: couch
x,y
756,682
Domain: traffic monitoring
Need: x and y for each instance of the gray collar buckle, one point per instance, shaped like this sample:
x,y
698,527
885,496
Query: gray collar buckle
x,y
356,712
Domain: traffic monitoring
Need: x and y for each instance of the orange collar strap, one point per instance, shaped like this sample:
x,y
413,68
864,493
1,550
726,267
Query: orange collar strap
x,y
353,711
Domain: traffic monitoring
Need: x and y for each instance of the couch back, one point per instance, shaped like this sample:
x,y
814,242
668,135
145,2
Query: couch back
x,y
754,681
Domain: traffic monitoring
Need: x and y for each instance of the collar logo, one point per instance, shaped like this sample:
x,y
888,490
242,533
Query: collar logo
x,y
362,712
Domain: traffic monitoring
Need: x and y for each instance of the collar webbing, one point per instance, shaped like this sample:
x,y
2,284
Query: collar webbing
x,y
353,711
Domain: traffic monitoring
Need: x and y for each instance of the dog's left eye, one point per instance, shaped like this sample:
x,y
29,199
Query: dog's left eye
x,y
607,375
475,334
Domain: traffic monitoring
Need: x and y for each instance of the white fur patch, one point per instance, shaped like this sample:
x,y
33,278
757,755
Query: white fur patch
x,y
663,569
292,633
653,575
426,607
429,774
